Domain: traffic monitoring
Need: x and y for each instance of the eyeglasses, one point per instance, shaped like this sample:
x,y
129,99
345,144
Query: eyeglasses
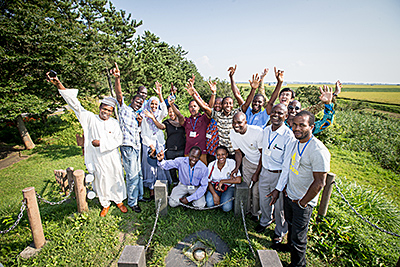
x,y
296,108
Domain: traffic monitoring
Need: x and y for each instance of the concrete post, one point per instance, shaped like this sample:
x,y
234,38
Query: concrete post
x,y
34,216
132,256
70,171
326,194
241,195
80,190
160,192
268,258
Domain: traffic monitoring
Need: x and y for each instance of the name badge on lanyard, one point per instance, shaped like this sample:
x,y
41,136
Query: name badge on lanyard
x,y
268,152
208,136
193,132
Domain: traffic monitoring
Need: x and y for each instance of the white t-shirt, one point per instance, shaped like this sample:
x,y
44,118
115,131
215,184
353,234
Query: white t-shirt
x,y
314,158
248,143
217,174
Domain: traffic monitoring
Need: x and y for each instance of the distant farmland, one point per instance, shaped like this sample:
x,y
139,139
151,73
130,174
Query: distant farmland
x,y
376,93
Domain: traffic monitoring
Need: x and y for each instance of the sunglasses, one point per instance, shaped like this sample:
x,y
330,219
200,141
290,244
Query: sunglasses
x,y
291,107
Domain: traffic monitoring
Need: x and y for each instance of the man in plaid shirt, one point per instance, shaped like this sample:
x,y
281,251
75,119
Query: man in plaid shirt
x,y
130,122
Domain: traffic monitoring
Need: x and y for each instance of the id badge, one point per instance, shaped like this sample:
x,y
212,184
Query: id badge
x,y
268,152
208,136
190,187
192,134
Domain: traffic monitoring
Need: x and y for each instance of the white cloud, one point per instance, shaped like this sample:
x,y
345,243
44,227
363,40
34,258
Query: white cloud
x,y
205,61
298,63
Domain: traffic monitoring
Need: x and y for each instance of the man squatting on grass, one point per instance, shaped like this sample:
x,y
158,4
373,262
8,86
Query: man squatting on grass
x,y
308,165
193,178
103,136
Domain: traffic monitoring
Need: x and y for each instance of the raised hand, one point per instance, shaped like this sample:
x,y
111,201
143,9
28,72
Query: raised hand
x,y
149,114
158,88
326,94
139,119
213,86
173,89
279,75
190,86
255,81
232,70
264,73
115,71
171,100
338,88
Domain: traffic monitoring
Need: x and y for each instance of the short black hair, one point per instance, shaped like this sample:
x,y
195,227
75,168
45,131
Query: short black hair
x,y
140,88
137,96
224,148
192,101
195,148
311,117
257,95
226,97
287,89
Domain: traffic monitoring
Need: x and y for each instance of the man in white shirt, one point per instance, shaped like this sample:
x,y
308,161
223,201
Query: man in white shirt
x,y
247,139
308,165
277,140
102,139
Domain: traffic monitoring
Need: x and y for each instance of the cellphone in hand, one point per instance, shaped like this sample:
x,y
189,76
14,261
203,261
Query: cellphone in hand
x,y
52,73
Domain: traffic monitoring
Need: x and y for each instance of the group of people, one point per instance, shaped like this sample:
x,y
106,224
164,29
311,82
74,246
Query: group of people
x,y
271,147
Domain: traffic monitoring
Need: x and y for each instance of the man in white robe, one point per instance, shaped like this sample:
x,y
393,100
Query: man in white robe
x,y
103,136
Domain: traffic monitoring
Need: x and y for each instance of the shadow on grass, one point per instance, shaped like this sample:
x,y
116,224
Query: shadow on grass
x,y
56,152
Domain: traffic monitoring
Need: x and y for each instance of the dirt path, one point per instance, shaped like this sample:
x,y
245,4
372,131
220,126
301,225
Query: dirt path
x,y
10,155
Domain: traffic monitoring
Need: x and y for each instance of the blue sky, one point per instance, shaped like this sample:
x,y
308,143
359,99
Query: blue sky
x,y
313,41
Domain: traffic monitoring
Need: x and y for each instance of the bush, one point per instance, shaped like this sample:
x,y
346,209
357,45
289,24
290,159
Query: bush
x,y
366,131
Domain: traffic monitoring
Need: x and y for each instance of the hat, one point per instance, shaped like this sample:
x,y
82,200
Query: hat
x,y
109,101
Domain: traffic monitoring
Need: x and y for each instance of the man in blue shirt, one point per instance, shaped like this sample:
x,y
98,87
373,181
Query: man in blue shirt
x,y
193,178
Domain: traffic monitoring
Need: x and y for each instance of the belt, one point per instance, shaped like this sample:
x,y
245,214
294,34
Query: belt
x,y
277,171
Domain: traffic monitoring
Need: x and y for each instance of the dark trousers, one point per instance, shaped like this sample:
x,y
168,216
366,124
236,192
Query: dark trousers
x,y
298,220
172,154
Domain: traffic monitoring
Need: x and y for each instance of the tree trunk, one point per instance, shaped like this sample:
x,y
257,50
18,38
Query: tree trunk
x,y
24,133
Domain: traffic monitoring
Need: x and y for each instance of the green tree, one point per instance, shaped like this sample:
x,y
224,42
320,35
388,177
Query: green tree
x,y
76,38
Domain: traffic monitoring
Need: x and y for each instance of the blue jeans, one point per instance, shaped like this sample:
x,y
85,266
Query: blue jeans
x,y
298,220
134,177
225,196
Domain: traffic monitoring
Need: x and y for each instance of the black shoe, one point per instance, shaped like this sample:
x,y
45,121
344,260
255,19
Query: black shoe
x,y
145,199
254,218
281,247
260,228
136,208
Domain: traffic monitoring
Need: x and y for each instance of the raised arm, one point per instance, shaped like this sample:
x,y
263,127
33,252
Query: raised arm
x,y
261,87
254,83
117,87
235,89
213,88
181,119
159,91
190,89
275,93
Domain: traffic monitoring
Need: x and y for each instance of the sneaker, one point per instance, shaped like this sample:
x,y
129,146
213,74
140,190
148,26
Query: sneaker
x,y
122,207
259,228
104,211
276,239
136,208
